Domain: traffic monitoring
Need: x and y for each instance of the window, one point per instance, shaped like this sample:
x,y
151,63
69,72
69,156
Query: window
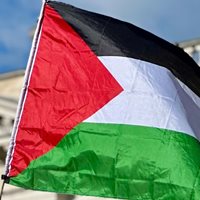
x,y
1,120
12,122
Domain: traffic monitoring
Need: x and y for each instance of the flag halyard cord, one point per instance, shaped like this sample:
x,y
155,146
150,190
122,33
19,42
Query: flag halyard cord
x,y
2,187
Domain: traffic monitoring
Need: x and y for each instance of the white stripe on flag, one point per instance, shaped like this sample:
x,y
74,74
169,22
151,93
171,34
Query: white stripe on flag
x,y
152,97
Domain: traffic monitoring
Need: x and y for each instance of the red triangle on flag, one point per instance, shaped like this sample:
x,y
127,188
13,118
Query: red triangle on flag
x,y
67,85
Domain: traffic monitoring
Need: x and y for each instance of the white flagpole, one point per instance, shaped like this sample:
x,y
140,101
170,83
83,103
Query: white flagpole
x,y
23,95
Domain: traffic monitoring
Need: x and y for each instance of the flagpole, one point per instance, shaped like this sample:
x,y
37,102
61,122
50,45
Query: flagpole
x,y
23,95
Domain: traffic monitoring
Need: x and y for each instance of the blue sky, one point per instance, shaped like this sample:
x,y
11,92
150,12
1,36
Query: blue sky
x,y
173,20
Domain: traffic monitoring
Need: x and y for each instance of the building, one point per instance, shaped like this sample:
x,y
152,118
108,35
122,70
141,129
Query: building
x,y
10,86
192,47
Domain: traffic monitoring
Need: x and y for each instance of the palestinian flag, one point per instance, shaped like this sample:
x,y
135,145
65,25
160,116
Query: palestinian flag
x,y
108,110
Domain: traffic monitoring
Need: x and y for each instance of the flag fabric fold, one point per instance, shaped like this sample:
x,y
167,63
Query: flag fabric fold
x,y
111,110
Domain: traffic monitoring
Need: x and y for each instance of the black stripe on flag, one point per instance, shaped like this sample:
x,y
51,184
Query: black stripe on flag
x,y
107,36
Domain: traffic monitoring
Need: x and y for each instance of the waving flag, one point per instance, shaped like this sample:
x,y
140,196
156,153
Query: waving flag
x,y
109,110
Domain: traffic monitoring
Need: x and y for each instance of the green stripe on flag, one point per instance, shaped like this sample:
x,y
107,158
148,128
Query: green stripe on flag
x,y
123,161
